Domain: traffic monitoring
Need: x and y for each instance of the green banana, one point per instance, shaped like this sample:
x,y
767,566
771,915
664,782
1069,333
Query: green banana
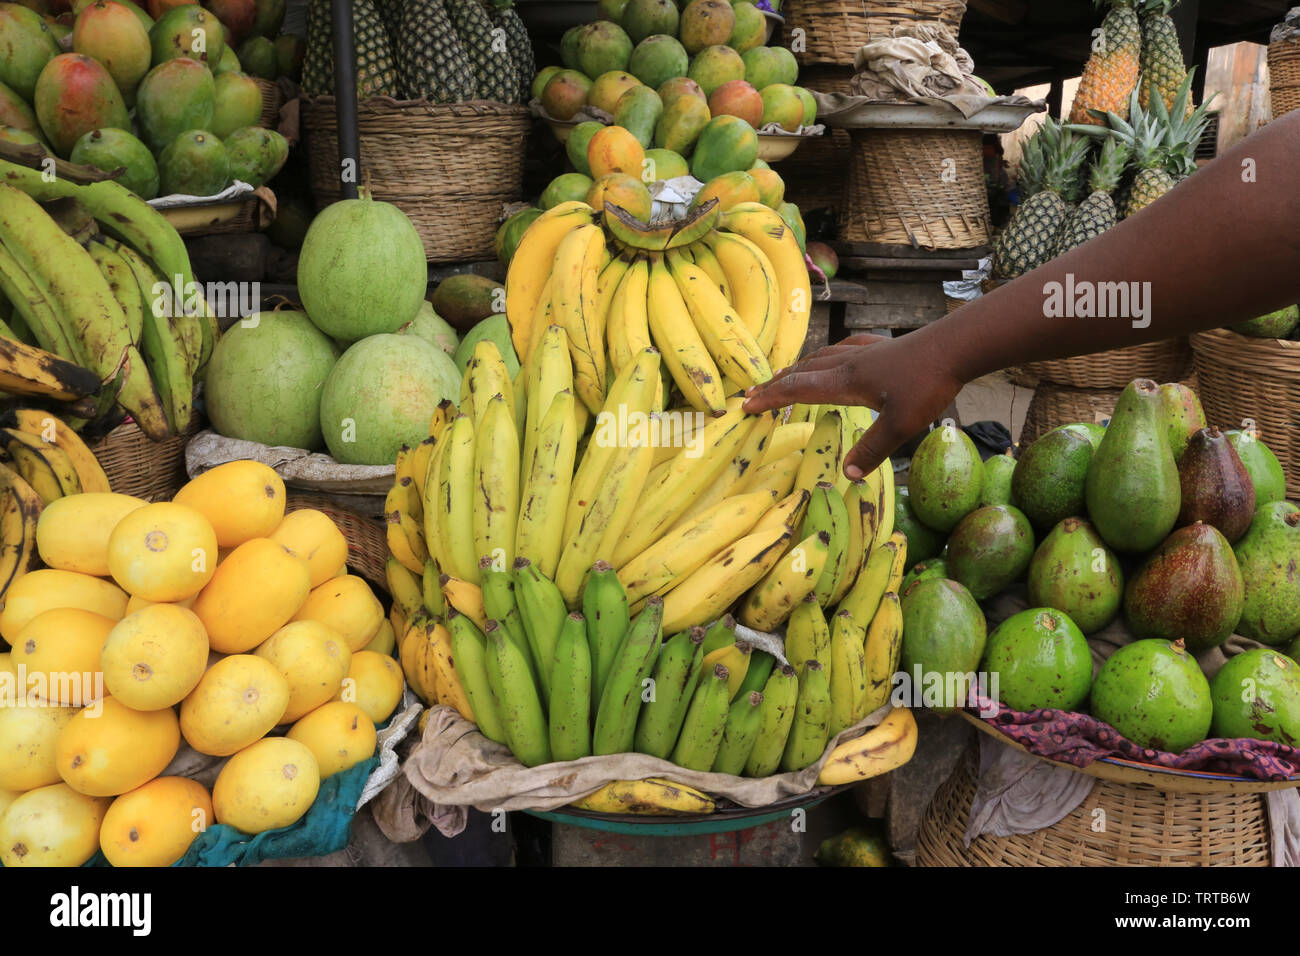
x,y
706,718
675,675
812,714
36,308
469,649
807,635
542,612
721,633
121,282
499,605
873,580
827,512
570,710
739,734
848,674
522,720
434,602
760,668
776,715
620,701
604,604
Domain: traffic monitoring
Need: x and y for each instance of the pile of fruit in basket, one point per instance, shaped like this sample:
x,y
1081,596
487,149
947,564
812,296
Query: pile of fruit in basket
x,y
164,99
443,51
1181,528
213,618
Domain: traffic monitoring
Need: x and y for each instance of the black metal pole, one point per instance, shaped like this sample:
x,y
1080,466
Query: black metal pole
x,y
345,98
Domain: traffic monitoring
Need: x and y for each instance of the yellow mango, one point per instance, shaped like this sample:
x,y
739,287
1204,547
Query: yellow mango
x,y
349,606
338,734
51,826
374,683
153,658
116,750
154,825
267,785
134,603
60,648
242,499
163,552
255,592
29,737
313,536
385,639
314,660
38,591
237,701
7,797
72,533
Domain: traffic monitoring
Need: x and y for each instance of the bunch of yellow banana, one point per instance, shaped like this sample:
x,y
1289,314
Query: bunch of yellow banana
x,y
92,300
725,297
41,459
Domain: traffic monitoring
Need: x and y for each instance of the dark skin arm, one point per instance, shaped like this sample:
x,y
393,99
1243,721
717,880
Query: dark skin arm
x,y
1219,249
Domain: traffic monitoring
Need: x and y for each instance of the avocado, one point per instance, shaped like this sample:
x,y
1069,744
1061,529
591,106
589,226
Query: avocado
x,y
1075,572
1041,660
1154,693
945,478
943,640
1257,694
990,549
1048,484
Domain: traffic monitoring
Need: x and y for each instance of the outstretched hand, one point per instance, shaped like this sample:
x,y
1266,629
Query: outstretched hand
x,y
888,375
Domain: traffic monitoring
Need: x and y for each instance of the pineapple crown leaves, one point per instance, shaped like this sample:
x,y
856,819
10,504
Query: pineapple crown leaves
x,y
1056,157
1109,165
1156,8
1142,132
1182,130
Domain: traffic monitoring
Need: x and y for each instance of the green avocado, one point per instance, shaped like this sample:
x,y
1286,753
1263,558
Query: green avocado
x,y
1257,694
1040,659
1154,693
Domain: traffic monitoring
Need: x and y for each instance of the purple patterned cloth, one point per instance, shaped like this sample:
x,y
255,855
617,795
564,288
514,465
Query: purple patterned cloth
x,y
1079,740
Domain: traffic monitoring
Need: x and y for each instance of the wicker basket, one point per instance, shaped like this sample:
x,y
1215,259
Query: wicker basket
x,y
1055,405
366,537
1143,827
451,168
835,29
137,465
1165,361
1284,76
917,187
272,100
1259,379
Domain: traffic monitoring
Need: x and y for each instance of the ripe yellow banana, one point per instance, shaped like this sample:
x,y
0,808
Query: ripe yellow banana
x,y
533,262
405,533
628,329
776,476
543,318
730,344
405,588
766,229
787,513
465,597
728,480
703,257
449,683
882,650
885,509
873,580
791,579
899,566
883,748
716,584
410,654
786,439
55,431
684,549
650,797
456,501
20,507
543,503
755,289
486,376
821,457
856,550
550,371
496,485
693,369
44,466
577,265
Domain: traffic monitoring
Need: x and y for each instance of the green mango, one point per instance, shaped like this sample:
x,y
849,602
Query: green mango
x,y
638,111
1257,694
1275,325
943,638
1268,555
1132,489
990,549
1180,411
996,489
1154,693
1049,480
1261,464
1040,659
1075,572
945,478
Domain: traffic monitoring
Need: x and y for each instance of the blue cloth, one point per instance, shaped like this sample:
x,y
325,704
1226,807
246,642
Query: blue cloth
x,y
325,828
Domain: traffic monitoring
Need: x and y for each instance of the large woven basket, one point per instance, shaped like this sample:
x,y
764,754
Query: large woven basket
x,y
1165,361
833,30
366,537
1055,405
1258,380
1119,824
917,187
137,465
451,168
1284,76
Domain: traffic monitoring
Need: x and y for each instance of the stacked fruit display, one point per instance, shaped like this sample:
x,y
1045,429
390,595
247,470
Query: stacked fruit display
x,y
122,303
705,93
444,51
172,82
1183,527
215,618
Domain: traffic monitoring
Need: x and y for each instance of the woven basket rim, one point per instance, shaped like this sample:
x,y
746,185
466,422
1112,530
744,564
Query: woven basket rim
x,y
388,104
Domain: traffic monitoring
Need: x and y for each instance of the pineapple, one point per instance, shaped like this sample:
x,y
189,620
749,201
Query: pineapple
x,y
489,52
1028,240
1163,69
390,11
376,72
507,18
1113,69
1098,212
431,61
1182,135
